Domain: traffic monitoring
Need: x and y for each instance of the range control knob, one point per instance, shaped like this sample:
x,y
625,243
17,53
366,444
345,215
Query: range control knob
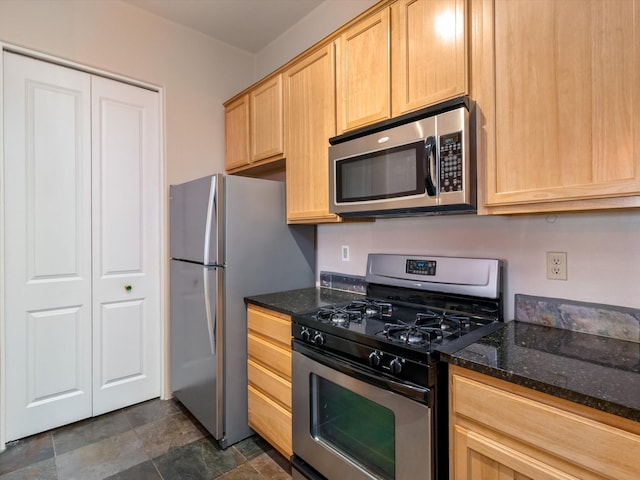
x,y
375,359
305,334
396,365
318,339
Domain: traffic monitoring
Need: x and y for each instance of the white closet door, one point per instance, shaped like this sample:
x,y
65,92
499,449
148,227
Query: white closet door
x,y
47,192
126,245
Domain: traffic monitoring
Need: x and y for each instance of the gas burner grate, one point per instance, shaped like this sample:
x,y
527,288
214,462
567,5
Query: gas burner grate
x,y
354,312
339,317
429,326
411,335
371,308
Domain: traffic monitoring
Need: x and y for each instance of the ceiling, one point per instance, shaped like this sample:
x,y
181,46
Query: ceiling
x,y
246,24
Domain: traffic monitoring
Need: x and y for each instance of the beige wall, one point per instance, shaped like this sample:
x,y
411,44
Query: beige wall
x,y
197,73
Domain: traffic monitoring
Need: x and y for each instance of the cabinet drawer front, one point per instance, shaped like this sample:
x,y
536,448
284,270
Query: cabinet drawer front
x,y
270,383
596,446
271,421
270,326
268,354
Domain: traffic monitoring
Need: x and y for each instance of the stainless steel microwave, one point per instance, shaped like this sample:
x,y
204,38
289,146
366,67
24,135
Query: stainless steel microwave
x,y
419,163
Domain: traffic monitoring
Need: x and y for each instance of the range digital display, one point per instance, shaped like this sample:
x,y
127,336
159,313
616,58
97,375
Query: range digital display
x,y
421,267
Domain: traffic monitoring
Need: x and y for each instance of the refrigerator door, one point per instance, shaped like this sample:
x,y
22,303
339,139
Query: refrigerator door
x,y
196,347
196,221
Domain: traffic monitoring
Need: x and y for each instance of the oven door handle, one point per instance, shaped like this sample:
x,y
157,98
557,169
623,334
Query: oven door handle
x,y
414,392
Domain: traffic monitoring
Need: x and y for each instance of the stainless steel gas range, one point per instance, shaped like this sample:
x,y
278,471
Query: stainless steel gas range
x,y
369,393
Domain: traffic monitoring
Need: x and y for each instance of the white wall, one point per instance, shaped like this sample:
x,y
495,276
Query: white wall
x,y
198,73
603,250
320,22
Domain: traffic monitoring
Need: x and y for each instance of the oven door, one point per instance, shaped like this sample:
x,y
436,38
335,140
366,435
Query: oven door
x,y
351,424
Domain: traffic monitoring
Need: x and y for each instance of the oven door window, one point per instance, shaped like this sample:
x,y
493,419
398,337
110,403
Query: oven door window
x,y
356,427
390,173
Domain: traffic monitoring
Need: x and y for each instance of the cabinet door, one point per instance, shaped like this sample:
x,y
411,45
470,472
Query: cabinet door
x,y
236,133
561,106
482,458
310,110
501,430
364,73
126,244
428,53
47,262
266,120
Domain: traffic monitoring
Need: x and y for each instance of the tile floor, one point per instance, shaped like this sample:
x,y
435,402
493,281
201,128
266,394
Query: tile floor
x,y
155,440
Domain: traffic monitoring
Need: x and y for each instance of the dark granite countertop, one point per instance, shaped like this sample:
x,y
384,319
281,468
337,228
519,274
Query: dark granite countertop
x,y
595,371
302,300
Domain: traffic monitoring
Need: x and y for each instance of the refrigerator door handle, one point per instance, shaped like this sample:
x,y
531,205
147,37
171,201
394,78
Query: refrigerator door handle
x,y
211,204
211,320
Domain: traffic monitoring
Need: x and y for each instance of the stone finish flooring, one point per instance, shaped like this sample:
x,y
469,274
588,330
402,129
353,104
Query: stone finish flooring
x,y
155,440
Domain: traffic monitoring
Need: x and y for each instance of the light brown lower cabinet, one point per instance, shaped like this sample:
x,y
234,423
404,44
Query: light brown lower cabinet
x,y
269,373
501,431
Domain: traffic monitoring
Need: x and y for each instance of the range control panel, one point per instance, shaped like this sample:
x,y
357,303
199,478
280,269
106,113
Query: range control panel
x,y
451,162
421,267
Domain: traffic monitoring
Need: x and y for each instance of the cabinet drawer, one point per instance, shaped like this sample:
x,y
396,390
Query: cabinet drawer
x,y
270,355
270,420
274,326
271,384
579,440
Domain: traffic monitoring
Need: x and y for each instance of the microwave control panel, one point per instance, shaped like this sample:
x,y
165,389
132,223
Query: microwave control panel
x,y
451,162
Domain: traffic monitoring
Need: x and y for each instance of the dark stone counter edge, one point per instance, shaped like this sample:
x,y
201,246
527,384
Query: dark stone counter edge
x,y
269,306
292,302
559,392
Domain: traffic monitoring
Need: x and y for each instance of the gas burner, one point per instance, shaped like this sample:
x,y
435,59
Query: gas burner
x,y
414,337
460,321
371,308
338,316
340,319
429,317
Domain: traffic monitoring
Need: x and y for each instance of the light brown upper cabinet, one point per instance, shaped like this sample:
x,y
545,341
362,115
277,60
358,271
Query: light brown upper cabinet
x,y
254,128
267,131
428,53
364,72
556,85
310,122
400,59
236,133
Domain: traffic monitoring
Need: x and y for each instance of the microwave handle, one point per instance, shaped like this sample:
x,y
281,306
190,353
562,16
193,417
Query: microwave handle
x,y
430,165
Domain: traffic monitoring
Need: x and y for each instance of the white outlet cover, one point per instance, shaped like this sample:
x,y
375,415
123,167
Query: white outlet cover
x,y
557,265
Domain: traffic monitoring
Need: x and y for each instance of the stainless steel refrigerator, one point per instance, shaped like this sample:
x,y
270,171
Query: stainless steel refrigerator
x,y
228,240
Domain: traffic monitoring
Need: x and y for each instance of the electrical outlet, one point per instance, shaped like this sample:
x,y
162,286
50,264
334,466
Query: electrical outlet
x,y
557,265
345,253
